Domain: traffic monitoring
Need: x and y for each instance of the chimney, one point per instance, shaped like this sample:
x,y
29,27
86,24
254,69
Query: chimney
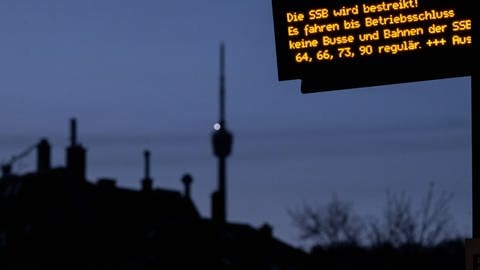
x,y
147,181
76,154
43,156
266,230
187,182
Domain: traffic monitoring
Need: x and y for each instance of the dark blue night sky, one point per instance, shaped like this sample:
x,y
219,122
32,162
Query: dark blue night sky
x,y
144,74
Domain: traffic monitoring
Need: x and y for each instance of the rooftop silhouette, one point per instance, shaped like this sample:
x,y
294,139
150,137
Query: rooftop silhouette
x,y
57,218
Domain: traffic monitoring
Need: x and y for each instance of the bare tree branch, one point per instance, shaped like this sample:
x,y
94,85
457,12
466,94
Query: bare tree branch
x,y
400,223
332,224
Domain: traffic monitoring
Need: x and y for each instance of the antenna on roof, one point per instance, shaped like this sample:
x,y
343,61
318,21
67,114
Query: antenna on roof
x,y
73,131
146,155
147,181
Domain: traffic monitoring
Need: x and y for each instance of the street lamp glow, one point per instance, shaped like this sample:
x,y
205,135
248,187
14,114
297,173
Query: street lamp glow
x,y
217,126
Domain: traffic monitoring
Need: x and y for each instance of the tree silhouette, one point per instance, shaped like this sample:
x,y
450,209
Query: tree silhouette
x,y
427,225
329,225
400,223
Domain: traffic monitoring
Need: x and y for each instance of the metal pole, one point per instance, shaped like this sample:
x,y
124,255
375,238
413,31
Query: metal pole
x,y
475,155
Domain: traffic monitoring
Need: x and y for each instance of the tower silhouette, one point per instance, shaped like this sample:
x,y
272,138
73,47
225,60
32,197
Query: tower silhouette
x,y
222,141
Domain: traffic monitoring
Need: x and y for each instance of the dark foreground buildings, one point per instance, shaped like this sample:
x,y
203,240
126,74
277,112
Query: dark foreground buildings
x,y
56,218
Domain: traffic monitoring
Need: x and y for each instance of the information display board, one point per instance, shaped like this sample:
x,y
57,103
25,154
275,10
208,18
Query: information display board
x,y
350,43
